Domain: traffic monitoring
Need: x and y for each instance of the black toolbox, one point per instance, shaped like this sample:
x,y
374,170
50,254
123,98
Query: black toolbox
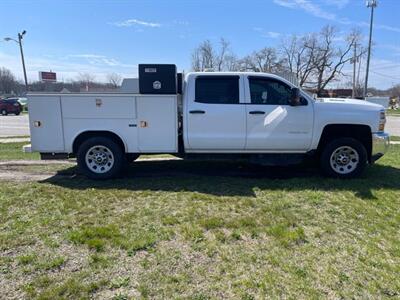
x,y
157,79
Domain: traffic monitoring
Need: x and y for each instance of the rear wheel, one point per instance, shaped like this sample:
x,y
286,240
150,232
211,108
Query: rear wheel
x,y
100,158
17,113
4,112
344,158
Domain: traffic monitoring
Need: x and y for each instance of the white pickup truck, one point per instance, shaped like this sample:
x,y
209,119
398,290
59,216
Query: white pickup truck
x,y
257,116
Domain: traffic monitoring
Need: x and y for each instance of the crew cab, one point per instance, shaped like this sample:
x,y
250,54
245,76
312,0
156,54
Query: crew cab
x,y
255,116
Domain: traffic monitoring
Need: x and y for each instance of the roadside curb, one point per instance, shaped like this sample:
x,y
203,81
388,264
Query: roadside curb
x,y
13,140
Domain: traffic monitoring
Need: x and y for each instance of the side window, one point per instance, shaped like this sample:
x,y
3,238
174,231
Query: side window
x,y
217,89
269,91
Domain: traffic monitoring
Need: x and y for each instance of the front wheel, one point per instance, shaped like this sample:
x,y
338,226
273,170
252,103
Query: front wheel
x,y
100,158
343,158
4,112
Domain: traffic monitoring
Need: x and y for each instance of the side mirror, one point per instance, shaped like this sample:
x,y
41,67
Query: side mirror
x,y
295,97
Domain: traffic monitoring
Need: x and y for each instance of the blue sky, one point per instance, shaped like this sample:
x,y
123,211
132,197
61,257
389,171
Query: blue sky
x,y
100,37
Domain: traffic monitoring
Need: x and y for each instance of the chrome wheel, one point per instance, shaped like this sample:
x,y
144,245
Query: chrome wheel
x,y
99,159
344,160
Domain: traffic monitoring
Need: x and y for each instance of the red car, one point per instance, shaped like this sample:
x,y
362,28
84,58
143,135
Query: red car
x,y
10,106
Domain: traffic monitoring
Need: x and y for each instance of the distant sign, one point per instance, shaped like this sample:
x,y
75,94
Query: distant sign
x,y
47,76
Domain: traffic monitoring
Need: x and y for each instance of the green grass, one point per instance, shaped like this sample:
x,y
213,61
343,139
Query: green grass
x,y
395,138
203,230
13,151
392,112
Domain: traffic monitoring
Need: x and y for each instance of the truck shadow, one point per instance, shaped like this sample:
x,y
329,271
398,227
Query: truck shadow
x,y
230,178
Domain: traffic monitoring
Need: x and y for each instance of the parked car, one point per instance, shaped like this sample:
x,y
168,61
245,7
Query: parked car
x,y
23,101
224,115
10,106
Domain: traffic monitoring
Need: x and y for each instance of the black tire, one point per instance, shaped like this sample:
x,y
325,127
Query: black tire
x,y
4,112
115,151
17,113
334,165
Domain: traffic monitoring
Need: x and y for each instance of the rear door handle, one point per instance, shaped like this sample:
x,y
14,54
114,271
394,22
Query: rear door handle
x,y
257,112
197,112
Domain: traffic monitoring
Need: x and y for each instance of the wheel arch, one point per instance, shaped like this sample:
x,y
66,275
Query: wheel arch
x,y
359,132
83,136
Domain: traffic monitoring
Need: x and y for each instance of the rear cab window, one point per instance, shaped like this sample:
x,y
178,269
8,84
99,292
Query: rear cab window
x,y
217,89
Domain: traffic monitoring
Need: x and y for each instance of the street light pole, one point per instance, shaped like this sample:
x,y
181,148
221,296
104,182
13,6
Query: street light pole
x,y
19,42
20,36
372,4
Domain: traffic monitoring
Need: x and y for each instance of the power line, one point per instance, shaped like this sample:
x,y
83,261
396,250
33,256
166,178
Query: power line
x,y
387,67
384,75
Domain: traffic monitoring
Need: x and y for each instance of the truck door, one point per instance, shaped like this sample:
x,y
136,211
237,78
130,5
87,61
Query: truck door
x,y
215,114
272,124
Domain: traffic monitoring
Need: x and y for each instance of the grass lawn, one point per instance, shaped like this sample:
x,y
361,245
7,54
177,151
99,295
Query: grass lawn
x,y
392,112
13,151
203,230
395,138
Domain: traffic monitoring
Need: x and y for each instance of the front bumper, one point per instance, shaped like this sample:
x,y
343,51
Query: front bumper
x,y
380,145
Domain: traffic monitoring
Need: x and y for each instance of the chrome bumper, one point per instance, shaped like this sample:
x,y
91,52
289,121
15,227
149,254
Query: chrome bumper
x,y
380,145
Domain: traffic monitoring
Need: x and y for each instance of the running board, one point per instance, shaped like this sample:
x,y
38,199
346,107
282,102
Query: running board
x,y
49,156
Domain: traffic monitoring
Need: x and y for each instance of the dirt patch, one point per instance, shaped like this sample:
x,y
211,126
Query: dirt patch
x,y
37,170
21,170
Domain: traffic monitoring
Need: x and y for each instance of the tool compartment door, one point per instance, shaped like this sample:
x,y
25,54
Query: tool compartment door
x,y
45,123
157,123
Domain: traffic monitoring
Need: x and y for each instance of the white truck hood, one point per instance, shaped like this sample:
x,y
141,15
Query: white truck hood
x,y
347,111
355,103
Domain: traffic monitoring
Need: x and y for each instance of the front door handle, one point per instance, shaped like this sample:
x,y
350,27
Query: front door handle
x,y
197,112
257,112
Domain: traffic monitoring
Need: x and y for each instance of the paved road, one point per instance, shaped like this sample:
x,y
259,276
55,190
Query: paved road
x,y
19,125
14,125
393,125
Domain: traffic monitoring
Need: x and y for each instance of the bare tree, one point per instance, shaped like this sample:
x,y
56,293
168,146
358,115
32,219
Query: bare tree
x,y
264,60
221,56
86,77
114,80
329,59
313,61
395,90
297,54
206,57
8,83
203,57
231,63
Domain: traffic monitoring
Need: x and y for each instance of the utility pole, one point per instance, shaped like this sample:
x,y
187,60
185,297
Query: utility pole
x,y
19,42
372,4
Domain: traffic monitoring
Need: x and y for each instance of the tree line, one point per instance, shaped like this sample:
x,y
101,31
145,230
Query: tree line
x,y
316,60
9,85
